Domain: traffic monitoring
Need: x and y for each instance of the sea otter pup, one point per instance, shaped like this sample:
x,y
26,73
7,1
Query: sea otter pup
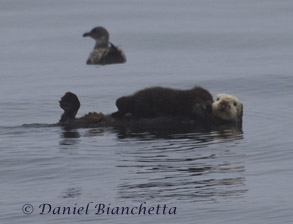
x,y
228,108
104,52
159,101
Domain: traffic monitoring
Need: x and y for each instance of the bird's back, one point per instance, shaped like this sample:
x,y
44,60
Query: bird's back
x,y
110,55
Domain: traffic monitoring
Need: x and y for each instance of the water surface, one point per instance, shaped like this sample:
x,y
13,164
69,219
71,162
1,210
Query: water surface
x,y
242,48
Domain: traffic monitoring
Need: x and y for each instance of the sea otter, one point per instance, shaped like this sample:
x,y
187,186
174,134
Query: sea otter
x,y
228,108
158,101
104,52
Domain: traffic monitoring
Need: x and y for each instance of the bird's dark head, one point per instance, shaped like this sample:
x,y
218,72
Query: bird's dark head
x,y
99,34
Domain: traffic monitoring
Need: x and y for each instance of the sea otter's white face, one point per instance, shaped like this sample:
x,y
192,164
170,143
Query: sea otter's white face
x,y
228,107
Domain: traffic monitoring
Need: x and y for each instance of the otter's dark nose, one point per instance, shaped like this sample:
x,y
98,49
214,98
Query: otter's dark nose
x,y
224,104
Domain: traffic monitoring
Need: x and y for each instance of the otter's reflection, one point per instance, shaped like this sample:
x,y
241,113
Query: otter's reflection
x,y
176,132
192,166
69,137
72,192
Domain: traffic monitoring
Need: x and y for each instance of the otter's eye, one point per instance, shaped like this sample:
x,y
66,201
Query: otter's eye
x,y
218,99
235,104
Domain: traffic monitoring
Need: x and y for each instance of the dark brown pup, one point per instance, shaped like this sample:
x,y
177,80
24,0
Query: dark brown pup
x,y
159,101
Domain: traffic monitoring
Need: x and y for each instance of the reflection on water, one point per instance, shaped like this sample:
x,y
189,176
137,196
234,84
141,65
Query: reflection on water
x,y
170,132
69,137
72,192
183,167
201,190
70,134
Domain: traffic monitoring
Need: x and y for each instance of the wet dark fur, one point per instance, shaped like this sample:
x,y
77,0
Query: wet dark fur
x,y
70,104
159,101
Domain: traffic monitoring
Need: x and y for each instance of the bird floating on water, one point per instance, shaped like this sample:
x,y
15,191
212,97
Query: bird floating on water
x,y
104,51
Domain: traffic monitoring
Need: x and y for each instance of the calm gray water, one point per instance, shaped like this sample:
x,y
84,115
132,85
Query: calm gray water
x,y
242,48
